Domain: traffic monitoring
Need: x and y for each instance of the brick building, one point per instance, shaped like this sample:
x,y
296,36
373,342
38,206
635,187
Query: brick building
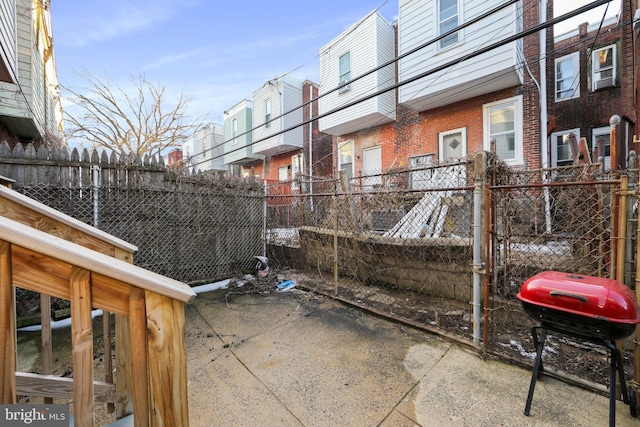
x,y
452,112
451,103
591,78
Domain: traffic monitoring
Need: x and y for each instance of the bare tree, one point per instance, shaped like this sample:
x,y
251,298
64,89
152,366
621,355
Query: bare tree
x,y
141,120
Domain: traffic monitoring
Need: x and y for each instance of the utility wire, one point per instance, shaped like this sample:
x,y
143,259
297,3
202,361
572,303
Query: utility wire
x,y
386,64
442,67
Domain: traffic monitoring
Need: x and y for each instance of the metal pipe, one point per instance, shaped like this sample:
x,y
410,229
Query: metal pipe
x,y
636,342
96,186
544,147
489,245
335,240
477,260
622,229
264,219
614,121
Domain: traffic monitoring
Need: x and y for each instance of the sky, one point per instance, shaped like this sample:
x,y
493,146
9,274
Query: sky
x,y
214,52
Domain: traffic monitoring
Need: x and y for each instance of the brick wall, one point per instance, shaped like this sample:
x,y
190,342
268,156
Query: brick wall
x,y
417,133
595,108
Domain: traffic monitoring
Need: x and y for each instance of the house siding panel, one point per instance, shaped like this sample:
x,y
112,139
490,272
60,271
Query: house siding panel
x,y
11,105
241,151
8,36
492,71
365,56
285,94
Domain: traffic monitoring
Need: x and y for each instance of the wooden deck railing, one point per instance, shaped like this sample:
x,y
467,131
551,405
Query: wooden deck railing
x,y
48,252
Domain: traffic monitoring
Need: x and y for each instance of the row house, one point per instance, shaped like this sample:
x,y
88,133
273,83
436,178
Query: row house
x,y
238,151
273,136
205,148
441,100
30,106
591,68
366,129
429,116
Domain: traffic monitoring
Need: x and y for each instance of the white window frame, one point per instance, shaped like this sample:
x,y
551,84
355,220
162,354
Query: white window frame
x,y
376,179
283,173
600,83
458,18
442,135
419,178
554,145
340,147
574,90
297,167
344,72
595,133
267,113
234,130
516,102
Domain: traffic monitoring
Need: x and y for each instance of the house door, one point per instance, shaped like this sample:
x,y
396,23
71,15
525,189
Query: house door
x,y
372,166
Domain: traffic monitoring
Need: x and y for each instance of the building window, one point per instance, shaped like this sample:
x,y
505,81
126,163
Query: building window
x,y
503,129
420,173
234,130
561,154
601,145
283,173
603,67
448,19
297,167
453,144
345,158
568,77
344,71
267,113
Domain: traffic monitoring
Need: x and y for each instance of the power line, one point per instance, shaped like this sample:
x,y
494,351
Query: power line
x,y
442,67
386,64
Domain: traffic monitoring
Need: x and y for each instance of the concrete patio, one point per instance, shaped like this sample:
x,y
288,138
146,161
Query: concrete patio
x,y
299,359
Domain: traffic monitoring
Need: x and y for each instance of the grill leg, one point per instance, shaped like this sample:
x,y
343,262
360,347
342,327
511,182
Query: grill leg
x,y
616,368
612,386
537,365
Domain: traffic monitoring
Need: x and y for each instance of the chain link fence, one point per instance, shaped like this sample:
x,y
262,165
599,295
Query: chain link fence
x,y
195,228
401,244
195,232
564,219
397,243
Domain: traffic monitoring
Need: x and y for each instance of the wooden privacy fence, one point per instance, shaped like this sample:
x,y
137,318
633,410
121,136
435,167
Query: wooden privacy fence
x,y
51,253
192,227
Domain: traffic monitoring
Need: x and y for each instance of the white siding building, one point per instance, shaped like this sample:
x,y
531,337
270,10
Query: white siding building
x,y
275,108
205,148
421,21
363,47
238,121
30,106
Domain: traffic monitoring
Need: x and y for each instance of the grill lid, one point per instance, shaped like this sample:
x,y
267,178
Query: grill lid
x,y
592,297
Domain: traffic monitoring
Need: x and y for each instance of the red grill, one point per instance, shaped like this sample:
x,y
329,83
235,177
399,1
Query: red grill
x,y
591,308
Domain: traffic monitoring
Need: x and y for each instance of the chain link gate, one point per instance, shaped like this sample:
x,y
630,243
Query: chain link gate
x,y
563,219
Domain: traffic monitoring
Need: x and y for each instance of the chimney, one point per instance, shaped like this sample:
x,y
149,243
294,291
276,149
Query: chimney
x,y
582,29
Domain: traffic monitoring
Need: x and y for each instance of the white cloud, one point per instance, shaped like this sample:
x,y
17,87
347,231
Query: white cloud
x,y
105,21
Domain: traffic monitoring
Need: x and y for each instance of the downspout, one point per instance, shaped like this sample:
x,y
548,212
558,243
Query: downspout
x,y
543,87
311,146
477,260
544,149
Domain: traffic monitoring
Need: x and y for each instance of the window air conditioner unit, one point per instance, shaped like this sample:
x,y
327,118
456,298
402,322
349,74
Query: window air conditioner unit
x,y
607,82
344,87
